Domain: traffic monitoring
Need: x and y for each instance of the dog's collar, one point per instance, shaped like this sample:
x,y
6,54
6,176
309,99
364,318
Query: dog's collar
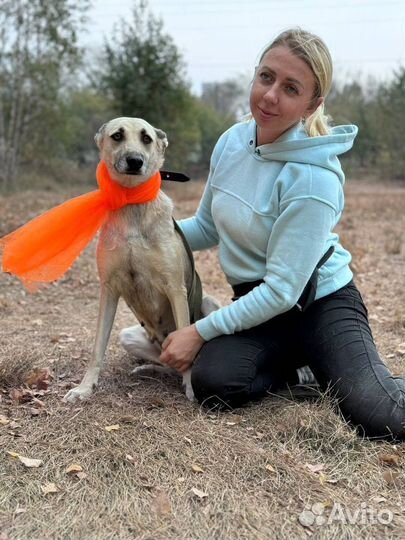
x,y
174,176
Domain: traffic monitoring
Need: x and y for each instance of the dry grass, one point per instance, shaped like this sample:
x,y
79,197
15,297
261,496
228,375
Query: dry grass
x,y
257,468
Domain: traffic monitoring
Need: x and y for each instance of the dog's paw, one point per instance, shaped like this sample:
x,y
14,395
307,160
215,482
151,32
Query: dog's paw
x,y
79,393
151,369
188,389
189,392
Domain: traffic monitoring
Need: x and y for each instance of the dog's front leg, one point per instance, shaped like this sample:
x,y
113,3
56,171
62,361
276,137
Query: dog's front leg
x,y
181,314
179,305
107,310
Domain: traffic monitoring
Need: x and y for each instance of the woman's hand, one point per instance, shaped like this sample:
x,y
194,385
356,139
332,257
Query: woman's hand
x,y
181,347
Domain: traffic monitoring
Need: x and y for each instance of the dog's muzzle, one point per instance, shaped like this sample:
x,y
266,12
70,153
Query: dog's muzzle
x,y
130,164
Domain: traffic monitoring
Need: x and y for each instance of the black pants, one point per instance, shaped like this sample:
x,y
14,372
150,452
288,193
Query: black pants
x,y
333,338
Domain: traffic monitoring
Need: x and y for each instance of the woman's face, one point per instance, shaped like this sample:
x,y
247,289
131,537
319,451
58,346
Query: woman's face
x,y
281,94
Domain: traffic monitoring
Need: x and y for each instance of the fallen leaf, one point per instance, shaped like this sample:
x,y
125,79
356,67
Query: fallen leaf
x,y
49,488
391,477
270,468
36,412
196,468
390,459
4,420
39,378
161,503
81,475
155,402
30,462
189,441
114,427
21,396
198,493
74,468
315,468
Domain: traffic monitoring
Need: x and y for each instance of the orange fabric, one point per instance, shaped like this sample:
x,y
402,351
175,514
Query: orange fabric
x,y
46,247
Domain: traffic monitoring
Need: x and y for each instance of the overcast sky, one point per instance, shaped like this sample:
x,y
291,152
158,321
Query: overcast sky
x,y
221,39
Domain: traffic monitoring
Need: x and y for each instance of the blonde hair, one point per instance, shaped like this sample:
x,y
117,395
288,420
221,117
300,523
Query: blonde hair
x,y
313,51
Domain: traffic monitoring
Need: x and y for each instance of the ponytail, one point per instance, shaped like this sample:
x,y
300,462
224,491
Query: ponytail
x,y
317,123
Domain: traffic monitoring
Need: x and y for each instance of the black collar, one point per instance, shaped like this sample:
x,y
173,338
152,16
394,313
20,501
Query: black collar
x,y
174,176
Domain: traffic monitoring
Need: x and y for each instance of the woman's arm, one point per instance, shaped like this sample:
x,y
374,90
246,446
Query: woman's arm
x,y
297,242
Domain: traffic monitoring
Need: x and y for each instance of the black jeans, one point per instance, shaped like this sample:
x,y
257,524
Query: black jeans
x,y
333,338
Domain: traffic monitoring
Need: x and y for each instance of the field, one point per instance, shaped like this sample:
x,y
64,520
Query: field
x,y
138,461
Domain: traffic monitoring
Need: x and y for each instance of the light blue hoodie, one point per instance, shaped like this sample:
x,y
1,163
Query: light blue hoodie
x,y
272,210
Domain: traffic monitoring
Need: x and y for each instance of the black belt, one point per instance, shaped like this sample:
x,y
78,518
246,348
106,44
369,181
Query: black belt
x,y
308,294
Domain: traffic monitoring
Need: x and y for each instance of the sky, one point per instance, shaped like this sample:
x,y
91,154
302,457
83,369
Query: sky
x,y
222,39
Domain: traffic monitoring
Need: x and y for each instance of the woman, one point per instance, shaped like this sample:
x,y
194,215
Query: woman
x,y
273,198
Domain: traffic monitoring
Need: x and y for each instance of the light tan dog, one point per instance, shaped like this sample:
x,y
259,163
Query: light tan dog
x,y
140,255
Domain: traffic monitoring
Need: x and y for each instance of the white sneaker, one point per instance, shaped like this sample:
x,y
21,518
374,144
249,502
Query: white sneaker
x,y
306,377
306,387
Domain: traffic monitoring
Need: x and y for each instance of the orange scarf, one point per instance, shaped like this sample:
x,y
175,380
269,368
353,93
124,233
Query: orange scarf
x,y
46,247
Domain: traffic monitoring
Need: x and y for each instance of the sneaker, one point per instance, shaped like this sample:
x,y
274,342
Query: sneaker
x,y
305,376
306,387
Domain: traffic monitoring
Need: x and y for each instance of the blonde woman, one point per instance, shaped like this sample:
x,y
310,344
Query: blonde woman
x,y
272,201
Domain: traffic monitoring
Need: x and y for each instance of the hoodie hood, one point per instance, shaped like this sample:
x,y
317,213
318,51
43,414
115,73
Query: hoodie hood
x,y
295,146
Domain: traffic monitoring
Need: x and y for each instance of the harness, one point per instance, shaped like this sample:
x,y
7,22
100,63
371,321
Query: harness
x,y
194,294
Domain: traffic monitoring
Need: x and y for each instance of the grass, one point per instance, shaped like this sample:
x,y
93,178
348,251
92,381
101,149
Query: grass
x,y
172,470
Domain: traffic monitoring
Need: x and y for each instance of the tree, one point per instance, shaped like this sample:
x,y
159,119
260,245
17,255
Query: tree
x,y
143,73
211,125
349,105
378,109
229,98
390,126
38,44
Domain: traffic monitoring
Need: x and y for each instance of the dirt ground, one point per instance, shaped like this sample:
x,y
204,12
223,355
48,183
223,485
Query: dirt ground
x,y
138,461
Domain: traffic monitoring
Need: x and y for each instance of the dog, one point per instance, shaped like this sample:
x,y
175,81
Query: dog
x,y
141,255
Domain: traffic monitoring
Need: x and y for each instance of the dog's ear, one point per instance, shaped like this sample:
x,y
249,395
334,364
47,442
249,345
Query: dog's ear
x,y
162,138
98,137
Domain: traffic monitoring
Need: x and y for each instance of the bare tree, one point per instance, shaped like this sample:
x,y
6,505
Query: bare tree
x,y
228,98
38,43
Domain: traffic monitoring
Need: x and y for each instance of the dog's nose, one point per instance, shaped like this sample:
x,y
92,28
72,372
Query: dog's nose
x,y
134,163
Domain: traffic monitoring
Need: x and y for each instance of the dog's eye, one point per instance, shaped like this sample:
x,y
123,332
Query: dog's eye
x,y
146,139
118,136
